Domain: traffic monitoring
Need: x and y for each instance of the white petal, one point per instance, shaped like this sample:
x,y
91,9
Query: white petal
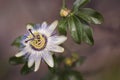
x,y
31,60
52,27
57,39
20,54
29,26
48,59
44,25
37,64
55,48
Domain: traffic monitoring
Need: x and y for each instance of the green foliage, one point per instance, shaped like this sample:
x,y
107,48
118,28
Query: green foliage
x,y
26,70
17,60
78,20
62,71
62,26
88,35
78,4
79,61
21,60
90,15
79,30
75,28
73,75
16,42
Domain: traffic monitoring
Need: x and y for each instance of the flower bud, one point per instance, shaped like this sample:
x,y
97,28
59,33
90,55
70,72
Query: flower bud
x,y
64,12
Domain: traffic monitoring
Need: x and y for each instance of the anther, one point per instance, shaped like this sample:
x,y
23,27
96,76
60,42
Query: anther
x,y
38,37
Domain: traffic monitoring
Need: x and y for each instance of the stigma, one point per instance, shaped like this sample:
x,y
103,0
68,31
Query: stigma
x,y
37,41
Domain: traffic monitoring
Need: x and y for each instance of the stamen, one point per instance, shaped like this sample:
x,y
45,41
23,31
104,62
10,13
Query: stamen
x,y
39,42
31,32
29,40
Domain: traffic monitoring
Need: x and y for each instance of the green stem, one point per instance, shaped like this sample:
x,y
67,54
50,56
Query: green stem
x,y
63,4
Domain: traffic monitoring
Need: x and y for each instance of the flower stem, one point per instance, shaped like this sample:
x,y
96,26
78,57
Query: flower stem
x,y
63,4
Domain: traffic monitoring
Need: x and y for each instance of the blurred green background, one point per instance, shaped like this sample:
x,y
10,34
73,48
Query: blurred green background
x,y
103,59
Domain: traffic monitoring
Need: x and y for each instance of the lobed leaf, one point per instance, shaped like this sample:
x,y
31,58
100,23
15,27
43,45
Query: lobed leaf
x,y
62,26
17,42
90,15
75,29
26,70
88,34
17,60
80,30
79,3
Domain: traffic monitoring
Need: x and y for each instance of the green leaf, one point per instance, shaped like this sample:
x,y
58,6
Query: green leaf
x,y
57,62
90,15
88,34
75,28
73,75
17,60
26,70
80,61
80,30
51,77
16,42
55,77
79,3
62,26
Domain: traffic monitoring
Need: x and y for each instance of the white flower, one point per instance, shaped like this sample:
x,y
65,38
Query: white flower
x,y
40,43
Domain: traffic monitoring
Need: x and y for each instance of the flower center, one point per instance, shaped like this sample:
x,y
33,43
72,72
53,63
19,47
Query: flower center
x,y
37,41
